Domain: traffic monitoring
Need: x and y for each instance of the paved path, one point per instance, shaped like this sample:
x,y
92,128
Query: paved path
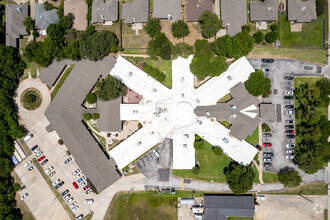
x,y
134,55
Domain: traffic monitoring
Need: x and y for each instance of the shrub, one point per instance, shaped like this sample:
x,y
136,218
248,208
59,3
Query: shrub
x,y
87,116
195,169
91,98
321,6
198,144
258,37
265,128
246,29
289,177
272,36
217,150
48,6
16,187
30,98
95,116
180,29
274,27
182,50
68,153
147,68
60,142
35,33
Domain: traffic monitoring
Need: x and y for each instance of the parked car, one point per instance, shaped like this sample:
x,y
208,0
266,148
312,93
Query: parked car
x,y
289,106
75,172
67,160
85,188
289,151
34,147
290,136
288,97
267,159
289,131
289,77
52,174
73,204
172,191
266,70
56,182
267,134
59,185
268,154
49,169
64,192
289,112
28,137
88,191
81,179
22,187
267,164
24,196
78,176
28,163
89,201
288,92
75,208
289,121
41,158
44,162
267,144
75,185
38,154
84,184
69,200
31,167
67,196
79,217
289,126
289,146
289,157
36,150
267,60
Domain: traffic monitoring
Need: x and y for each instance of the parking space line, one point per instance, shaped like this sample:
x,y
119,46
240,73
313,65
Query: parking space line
x,y
182,184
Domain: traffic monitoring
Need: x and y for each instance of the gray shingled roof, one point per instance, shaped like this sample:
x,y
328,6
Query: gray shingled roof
x,y
162,9
263,10
267,111
195,8
301,11
65,115
44,18
233,15
109,115
104,11
15,15
136,11
241,126
50,74
221,207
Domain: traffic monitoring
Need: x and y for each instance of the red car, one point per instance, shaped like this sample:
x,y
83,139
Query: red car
x,y
41,158
75,185
267,144
86,187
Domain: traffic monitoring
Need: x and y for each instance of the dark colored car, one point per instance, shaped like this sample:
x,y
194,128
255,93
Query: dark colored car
x,y
59,185
267,164
65,192
34,148
267,134
75,185
288,97
290,136
288,77
267,60
44,162
22,187
289,126
289,131
67,160
41,158
268,154
79,217
289,106
267,144
289,121
31,167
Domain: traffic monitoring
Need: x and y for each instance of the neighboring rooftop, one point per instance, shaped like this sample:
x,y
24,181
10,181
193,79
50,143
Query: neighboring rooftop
x,y
195,8
109,115
301,11
50,74
15,15
136,11
263,10
65,115
104,11
221,207
79,10
169,9
267,111
44,18
233,15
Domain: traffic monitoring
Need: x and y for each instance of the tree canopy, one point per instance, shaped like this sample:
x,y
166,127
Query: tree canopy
x,y
180,29
239,178
160,46
210,24
289,177
110,88
152,27
91,98
182,50
28,23
258,84
258,37
214,66
272,36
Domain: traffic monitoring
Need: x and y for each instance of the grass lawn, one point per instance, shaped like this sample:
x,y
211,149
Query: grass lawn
x,y
164,66
32,68
61,81
325,214
225,123
256,178
310,36
254,138
134,51
308,189
226,98
211,166
31,99
269,177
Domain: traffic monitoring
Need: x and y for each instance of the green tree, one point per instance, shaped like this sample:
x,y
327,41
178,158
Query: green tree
x,y
272,36
95,116
239,177
258,37
60,11
321,7
87,116
258,84
72,50
66,22
217,150
289,177
152,27
210,24
16,187
28,23
214,66
203,49
60,142
160,46
242,44
91,98
110,88
180,29
273,27
182,50
223,46
48,6
246,29
199,144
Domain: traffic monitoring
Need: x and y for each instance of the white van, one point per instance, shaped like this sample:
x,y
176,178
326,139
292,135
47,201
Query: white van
x,y
89,201
28,137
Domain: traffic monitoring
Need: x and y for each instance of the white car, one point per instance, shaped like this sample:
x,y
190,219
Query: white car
x,y
84,184
52,174
76,172
56,182
67,196
288,92
290,151
73,204
39,154
88,191
28,163
69,200
75,208
289,157
78,176
36,150
289,146
49,169
24,196
289,112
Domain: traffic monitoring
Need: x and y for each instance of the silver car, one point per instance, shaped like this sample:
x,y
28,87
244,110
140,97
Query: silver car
x,y
69,200
289,112
75,172
78,176
56,182
290,151
67,196
24,196
289,157
73,204
75,208
84,184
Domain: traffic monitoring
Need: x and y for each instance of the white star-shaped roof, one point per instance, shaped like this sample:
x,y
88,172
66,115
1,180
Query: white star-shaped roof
x,y
169,113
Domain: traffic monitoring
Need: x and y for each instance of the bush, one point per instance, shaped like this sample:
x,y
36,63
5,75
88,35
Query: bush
x,y
180,29
147,68
265,128
246,29
182,50
87,116
272,36
16,187
48,6
91,98
217,150
152,27
30,98
35,34
274,27
195,169
210,24
258,37
68,153
28,23
60,142
289,177
198,144
95,116
60,11
258,84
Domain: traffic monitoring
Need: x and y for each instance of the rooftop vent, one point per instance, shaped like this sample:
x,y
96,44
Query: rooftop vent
x,y
233,107
269,8
225,140
130,73
197,100
184,146
207,114
182,95
139,143
234,115
303,8
154,90
169,17
182,79
19,9
229,78
134,19
102,16
41,17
